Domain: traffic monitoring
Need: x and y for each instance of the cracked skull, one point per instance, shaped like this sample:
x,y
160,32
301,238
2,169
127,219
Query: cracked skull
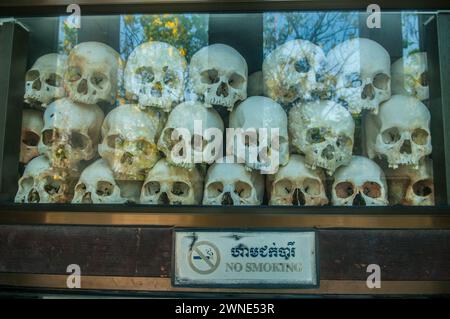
x,y
360,183
93,73
32,124
97,185
294,71
264,144
362,71
410,76
297,185
42,183
400,132
195,146
218,75
71,133
233,184
324,132
155,74
412,187
129,141
44,81
171,185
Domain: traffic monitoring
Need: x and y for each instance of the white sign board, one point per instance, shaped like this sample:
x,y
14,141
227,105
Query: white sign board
x,y
246,258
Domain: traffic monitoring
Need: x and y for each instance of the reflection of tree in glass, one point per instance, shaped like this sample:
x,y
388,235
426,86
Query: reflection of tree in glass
x,y
67,38
325,29
410,33
187,32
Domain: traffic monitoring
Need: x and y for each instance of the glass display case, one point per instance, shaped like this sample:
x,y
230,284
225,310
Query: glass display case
x,y
247,117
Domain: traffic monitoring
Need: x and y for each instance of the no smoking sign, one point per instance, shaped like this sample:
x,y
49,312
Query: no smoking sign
x,y
204,258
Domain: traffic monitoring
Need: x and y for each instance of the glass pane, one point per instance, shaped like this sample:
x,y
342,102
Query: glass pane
x,y
276,108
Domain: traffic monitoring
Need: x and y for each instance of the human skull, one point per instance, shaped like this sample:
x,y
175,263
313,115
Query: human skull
x,y
255,84
93,73
32,124
44,81
167,184
42,183
410,76
155,74
97,185
71,133
185,117
324,132
233,184
360,183
400,131
129,141
295,184
412,187
362,71
218,75
266,146
294,71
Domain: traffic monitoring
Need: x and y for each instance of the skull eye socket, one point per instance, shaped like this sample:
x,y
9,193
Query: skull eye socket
x,y
198,143
27,182
81,188
312,186
381,81
52,186
391,135
32,75
419,136
145,74
54,80
423,188
144,146
236,81
344,189
315,135
371,189
343,141
214,189
78,140
243,189
302,65
152,188
180,189
99,80
115,141
104,188
73,74
169,77
210,76
353,80
30,139
283,187
424,79
49,136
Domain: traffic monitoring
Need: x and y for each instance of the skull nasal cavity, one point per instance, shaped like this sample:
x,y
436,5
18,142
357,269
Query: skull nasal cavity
x,y
83,87
157,89
33,196
163,199
406,147
87,198
226,199
222,90
299,198
368,92
127,158
359,200
328,152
